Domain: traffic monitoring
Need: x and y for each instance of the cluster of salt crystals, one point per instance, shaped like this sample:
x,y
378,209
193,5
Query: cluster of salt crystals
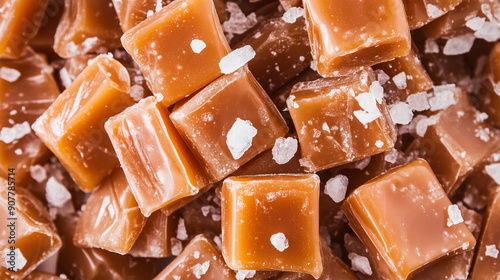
x,y
239,138
443,96
38,173
493,170
9,74
401,113
175,246
136,92
284,149
400,80
181,230
243,274
368,103
491,251
485,28
198,45
17,131
236,59
20,259
56,194
433,11
216,214
336,188
292,14
279,241
454,216
360,263
238,22
200,269
459,45
431,46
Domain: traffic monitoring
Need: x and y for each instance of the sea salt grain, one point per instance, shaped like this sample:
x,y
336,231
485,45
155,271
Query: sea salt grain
x,y
378,91
292,14
490,31
56,194
336,188
236,59
181,230
176,246
459,45
136,92
433,11
198,45
431,46
38,173
360,263
243,274
400,80
368,103
475,23
200,269
494,171
443,97
9,74
491,251
284,149
17,131
418,101
379,144
401,113
454,216
239,138
382,77
279,241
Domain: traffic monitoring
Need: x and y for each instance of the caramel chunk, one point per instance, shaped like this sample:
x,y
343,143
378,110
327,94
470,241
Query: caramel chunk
x,y
346,35
111,219
27,88
340,120
478,184
178,70
489,99
421,12
133,12
87,26
221,126
36,238
38,275
406,220
73,126
200,260
20,20
270,222
159,166
44,39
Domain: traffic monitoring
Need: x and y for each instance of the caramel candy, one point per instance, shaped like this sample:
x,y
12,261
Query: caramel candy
x,y
111,219
27,88
38,275
133,12
178,70
200,260
487,265
456,141
87,26
359,254
489,99
270,222
228,123
159,166
445,69
340,120
421,12
73,126
44,39
478,184
20,21
33,231
346,35
406,220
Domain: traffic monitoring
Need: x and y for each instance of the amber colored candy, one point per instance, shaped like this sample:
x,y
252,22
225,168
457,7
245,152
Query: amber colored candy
x,y
35,235
160,168
456,143
347,35
44,39
73,126
431,229
21,20
111,218
176,70
133,12
332,127
489,99
38,275
26,93
87,26
200,260
270,222
228,123
421,12
478,184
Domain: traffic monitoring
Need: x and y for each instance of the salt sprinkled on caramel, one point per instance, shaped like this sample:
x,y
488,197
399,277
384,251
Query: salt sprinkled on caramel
x,y
284,149
9,74
236,59
279,241
56,194
401,113
17,131
400,80
200,269
491,251
454,216
475,23
360,263
198,45
292,14
336,187
38,173
243,274
418,101
433,11
494,171
181,230
459,45
368,103
239,138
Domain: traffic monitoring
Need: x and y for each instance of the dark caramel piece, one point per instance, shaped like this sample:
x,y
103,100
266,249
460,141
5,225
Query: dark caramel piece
x,y
87,26
36,238
180,69
270,222
347,35
432,227
160,168
20,21
287,4
111,219
421,12
38,275
489,99
340,120
221,124
27,88
73,126
200,260
133,12
478,184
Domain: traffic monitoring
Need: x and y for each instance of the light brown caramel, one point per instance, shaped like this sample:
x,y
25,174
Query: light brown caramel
x,y
421,12
489,100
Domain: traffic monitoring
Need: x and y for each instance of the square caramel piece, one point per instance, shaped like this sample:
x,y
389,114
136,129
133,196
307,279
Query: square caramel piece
x,y
271,222
347,35
160,168
73,126
340,120
178,48
228,123
406,221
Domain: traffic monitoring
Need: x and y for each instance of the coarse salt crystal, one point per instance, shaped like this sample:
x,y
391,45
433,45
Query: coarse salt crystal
x,y
491,251
18,151
362,163
17,131
198,45
9,74
158,97
292,14
378,91
401,113
238,22
336,188
38,173
391,156
181,230
150,13
400,80
431,46
382,77
158,5
475,23
243,274
284,149
200,269
379,144
490,31
176,246
136,92
454,216
418,101
433,11
368,103
279,241
494,171
360,263
443,97
459,45
20,260
239,138
236,59
56,194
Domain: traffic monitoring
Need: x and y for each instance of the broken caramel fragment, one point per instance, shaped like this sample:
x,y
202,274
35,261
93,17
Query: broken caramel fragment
x,y
421,12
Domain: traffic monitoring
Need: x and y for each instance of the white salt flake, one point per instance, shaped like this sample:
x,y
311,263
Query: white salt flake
x,y
431,46
136,92
284,149
17,131
150,13
200,269
239,138
66,78
443,97
236,59
475,23
55,193
490,31
360,263
459,45
400,80
362,163
198,45
38,173
19,259
181,230
279,241
378,91
158,97
238,22
433,11
382,77
491,251
336,188
243,274
313,66
391,156
454,216
9,74
368,103
401,113
18,152
158,5
175,246
379,144
418,101
292,14
325,127
494,171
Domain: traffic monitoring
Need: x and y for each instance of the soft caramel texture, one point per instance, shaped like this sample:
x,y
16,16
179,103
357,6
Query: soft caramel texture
x,y
401,217
161,46
254,208
133,12
346,35
73,126
490,100
421,12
